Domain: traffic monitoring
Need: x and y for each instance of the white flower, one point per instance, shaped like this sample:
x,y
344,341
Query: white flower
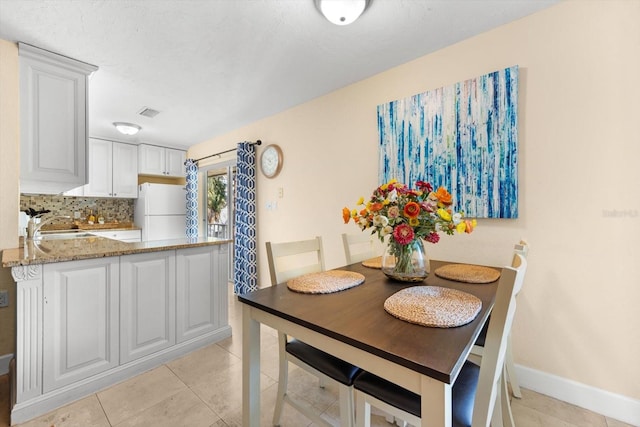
x,y
380,221
393,195
456,218
363,222
386,230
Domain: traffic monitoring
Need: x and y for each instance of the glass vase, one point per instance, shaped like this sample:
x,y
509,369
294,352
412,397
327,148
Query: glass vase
x,y
405,263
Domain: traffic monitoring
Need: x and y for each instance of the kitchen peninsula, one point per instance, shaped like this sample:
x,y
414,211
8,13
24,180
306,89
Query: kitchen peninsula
x,y
93,311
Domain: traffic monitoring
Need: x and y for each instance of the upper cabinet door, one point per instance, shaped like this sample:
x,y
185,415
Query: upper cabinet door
x,y
100,168
53,121
113,169
154,160
151,160
125,170
175,162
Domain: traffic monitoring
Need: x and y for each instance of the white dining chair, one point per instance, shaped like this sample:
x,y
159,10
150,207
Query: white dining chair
x,y
475,356
477,394
357,247
286,261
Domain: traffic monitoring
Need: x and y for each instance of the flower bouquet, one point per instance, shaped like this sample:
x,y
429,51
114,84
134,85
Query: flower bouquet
x,y
407,217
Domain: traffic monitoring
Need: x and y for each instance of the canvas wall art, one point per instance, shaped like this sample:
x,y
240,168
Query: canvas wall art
x,y
463,137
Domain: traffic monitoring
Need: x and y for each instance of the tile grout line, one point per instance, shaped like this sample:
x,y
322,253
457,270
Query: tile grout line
x,y
197,395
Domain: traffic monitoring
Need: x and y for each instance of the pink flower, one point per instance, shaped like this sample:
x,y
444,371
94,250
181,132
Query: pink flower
x,y
432,237
393,212
403,234
424,186
428,206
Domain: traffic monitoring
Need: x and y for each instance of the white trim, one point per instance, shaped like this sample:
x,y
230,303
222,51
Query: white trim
x,y
4,363
603,402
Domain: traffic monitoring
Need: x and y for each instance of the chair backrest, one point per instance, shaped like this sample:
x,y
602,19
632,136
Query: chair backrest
x,y
521,248
357,247
495,346
292,259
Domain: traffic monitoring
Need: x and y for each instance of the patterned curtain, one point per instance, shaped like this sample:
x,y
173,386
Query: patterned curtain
x,y
245,276
192,199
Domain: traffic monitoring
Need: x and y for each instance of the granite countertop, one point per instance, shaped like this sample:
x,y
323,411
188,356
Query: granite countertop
x,y
49,251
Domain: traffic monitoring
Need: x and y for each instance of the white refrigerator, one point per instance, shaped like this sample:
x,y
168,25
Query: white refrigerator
x,y
160,211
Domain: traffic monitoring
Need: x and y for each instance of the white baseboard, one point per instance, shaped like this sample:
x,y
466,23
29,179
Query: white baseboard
x,y
603,402
4,363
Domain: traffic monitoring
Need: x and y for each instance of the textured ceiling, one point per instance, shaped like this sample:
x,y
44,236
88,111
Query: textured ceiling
x,y
210,66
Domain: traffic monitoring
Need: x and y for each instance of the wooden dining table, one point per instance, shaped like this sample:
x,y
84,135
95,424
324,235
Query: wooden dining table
x,y
354,326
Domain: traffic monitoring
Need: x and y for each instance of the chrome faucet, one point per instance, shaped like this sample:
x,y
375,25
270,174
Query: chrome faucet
x,y
33,229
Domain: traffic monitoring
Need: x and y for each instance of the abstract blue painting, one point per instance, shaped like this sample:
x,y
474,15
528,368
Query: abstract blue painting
x,y
463,137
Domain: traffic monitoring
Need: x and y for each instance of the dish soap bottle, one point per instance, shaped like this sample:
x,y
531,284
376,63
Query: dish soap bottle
x,y
100,218
91,219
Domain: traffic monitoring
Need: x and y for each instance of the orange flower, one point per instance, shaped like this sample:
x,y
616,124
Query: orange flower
x,y
376,207
346,215
411,210
444,196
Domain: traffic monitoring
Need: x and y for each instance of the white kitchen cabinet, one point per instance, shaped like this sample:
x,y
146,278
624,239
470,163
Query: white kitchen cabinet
x,y
84,325
53,121
155,160
122,235
113,169
201,292
147,304
80,320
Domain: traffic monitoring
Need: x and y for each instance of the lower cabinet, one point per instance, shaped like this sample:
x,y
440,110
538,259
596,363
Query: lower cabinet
x,y
201,308
81,300
84,325
147,304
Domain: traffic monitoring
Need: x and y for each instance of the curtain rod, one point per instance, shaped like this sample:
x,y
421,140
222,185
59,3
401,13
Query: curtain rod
x,y
258,142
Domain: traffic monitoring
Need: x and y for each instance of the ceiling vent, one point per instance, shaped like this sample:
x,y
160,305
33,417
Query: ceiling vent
x,y
148,112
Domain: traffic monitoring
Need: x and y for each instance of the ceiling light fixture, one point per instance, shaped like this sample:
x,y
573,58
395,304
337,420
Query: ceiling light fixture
x,y
127,128
342,12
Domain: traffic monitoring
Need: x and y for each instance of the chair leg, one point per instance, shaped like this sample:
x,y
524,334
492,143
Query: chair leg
x,y
347,416
511,370
363,410
507,415
496,415
283,374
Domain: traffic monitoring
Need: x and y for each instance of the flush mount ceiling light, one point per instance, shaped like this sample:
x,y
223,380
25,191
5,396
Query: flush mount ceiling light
x,y
127,128
342,12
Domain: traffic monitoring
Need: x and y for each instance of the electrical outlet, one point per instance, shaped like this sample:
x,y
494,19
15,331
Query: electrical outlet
x,y
4,298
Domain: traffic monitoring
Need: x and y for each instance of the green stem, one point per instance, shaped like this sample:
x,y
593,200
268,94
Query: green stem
x,y
403,257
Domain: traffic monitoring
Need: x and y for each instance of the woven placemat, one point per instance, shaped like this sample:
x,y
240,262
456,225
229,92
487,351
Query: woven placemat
x,y
468,273
325,282
373,262
433,306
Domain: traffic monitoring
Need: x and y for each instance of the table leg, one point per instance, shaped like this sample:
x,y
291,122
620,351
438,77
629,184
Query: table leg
x,y
250,369
436,403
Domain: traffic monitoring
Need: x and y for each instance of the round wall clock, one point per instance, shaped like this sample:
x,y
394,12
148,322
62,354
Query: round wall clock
x,y
271,161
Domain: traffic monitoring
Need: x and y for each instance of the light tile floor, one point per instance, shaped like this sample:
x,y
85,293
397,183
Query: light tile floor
x,y
203,388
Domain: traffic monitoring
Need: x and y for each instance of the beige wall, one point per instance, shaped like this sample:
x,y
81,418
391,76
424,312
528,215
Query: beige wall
x,y
9,197
579,149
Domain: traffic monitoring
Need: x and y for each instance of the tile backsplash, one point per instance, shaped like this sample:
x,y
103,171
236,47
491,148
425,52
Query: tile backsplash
x,y
113,210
